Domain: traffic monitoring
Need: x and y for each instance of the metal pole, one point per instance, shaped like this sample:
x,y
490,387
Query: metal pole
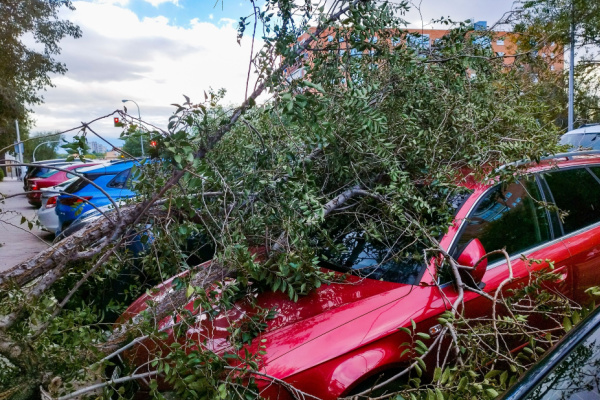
x,y
36,147
19,153
140,121
572,68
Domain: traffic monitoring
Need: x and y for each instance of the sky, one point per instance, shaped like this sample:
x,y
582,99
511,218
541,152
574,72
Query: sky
x,y
156,51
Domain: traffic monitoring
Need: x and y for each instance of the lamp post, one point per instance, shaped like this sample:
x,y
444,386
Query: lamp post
x,y
140,121
36,147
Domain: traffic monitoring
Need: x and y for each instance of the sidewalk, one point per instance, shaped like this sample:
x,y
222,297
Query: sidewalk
x,y
17,242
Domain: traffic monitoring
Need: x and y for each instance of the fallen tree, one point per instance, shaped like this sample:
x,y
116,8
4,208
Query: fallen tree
x,y
371,143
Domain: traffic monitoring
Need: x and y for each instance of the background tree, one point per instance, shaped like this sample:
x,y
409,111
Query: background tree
x,y
49,145
543,24
24,71
133,145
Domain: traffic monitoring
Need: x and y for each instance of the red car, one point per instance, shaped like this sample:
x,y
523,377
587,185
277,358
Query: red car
x,y
334,340
51,178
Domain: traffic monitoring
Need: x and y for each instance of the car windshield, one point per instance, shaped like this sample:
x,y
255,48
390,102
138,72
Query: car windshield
x,y
400,260
582,140
375,260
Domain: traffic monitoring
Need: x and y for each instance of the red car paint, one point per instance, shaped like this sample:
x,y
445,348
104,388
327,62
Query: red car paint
x,y
339,335
34,195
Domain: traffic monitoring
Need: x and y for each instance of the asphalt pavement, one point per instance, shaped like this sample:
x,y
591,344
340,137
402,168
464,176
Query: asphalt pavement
x,y
17,242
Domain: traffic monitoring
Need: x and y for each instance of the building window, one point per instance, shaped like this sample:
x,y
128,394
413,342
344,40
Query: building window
x,y
552,68
355,53
416,41
342,39
342,52
395,41
483,41
297,74
373,39
500,42
500,54
330,38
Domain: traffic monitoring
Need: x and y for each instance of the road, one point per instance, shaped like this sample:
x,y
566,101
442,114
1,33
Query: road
x,y
17,242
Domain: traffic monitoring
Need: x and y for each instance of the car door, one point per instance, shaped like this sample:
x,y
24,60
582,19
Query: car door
x,y
512,216
576,193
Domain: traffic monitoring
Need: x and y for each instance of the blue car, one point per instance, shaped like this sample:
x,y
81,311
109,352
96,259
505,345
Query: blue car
x,y
114,178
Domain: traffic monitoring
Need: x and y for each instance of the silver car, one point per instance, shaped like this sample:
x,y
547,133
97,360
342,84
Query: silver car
x,y
47,212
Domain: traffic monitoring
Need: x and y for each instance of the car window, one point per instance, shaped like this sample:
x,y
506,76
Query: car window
x,y
576,377
509,216
577,193
582,140
119,180
49,173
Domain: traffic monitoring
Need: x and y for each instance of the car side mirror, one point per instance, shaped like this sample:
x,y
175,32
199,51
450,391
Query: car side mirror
x,y
471,254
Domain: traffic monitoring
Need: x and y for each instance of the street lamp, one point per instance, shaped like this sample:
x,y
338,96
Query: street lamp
x,y
36,147
139,122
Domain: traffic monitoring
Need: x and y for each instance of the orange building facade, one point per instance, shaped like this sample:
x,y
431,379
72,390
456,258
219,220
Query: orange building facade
x,y
503,44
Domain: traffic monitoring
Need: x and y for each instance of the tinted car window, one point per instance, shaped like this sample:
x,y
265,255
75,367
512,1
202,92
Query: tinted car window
x,y
576,192
508,215
576,377
119,180
79,184
49,173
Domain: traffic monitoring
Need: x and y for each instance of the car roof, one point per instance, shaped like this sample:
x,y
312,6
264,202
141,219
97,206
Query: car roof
x,y
589,128
110,167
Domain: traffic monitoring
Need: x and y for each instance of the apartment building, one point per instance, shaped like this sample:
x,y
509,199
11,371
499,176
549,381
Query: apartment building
x,y
503,45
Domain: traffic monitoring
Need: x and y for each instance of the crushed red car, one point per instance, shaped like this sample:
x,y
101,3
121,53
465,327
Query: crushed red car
x,y
332,341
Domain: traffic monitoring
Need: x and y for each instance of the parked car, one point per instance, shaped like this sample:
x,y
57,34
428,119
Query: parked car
x,y
570,370
113,178
585,137
42,168
51,178
335,340
47,212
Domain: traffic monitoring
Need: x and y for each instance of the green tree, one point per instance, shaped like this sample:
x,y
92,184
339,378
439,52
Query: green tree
x,y
368,141
133,145
47,144
26,70
545,24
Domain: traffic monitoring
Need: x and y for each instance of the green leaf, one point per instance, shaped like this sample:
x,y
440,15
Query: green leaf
x,y
437,373
567,324
438,394
423,335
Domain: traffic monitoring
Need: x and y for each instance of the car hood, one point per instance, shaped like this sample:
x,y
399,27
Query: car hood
x,y
322,325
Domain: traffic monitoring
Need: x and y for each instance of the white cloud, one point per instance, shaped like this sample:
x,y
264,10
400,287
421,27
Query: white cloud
x,y
150,61
210,16
121,3
157,3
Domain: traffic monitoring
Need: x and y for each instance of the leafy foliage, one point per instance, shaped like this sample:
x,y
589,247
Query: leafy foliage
x,y
25,70
372,142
